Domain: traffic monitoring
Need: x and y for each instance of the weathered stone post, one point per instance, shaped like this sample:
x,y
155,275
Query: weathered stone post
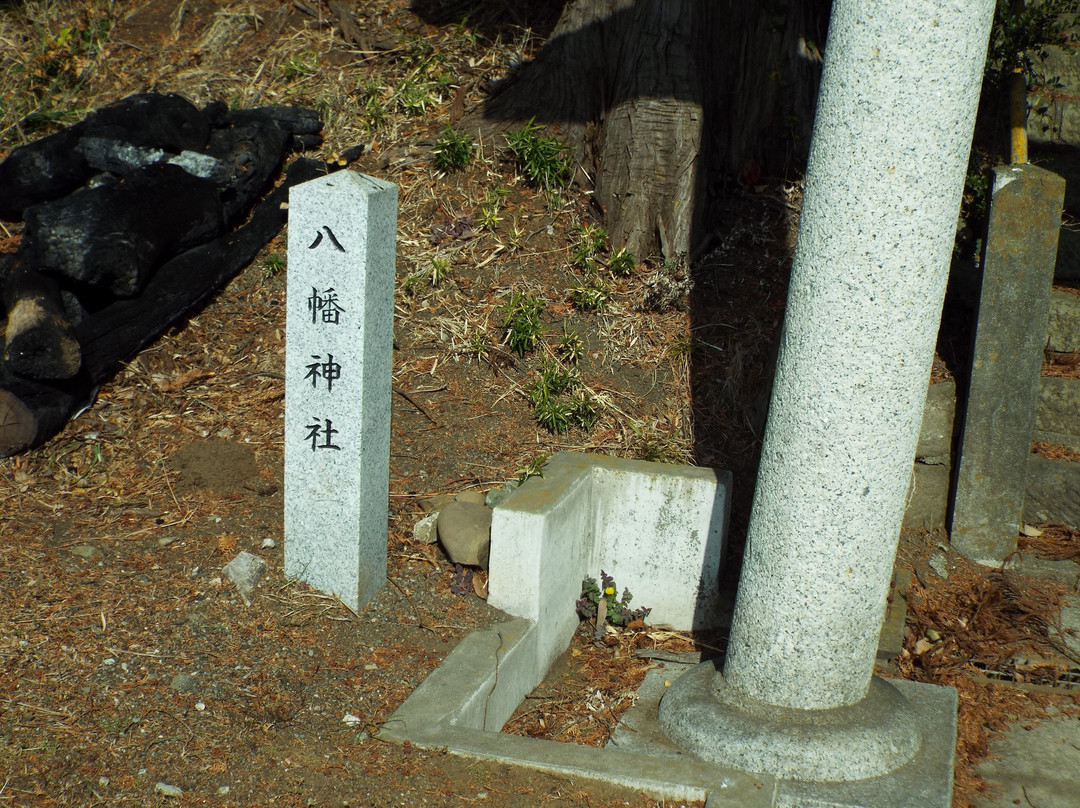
x,y
893,130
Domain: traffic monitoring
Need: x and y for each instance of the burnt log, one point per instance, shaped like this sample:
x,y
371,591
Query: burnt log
x,y
39,341
112,237
33,411
250,146
54,166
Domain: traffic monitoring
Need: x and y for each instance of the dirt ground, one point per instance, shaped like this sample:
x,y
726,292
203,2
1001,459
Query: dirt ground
x,y
129,667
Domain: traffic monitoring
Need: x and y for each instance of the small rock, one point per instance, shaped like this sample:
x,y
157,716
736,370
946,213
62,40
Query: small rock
x,y
465,532
168,790
435,503
182,683
268,544
496,495
938,564
103,781
424,531
165,541
475,497
245,571
199,706
87,551
223,790
351,720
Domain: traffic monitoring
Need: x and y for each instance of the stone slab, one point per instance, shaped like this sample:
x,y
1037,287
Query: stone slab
x,y
1040,766
1063,330
339,324
936,433
1057,415
460,706
1014,305
1053,491
928,499
928,496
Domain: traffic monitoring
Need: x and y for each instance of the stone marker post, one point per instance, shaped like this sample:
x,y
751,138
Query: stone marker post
x,y
339,334
796,698
1014,309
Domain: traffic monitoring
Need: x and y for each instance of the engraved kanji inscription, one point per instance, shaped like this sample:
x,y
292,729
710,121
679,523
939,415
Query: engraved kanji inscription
x,y
327,371
330,235
324,306
321,431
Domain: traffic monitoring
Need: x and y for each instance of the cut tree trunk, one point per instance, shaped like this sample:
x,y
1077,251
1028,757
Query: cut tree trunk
x,y
664,96
39,342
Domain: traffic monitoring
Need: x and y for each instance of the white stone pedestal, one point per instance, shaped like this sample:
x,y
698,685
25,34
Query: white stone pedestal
x,y
339,336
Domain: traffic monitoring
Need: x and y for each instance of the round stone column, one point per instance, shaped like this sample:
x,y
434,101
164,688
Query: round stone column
x,y
899,92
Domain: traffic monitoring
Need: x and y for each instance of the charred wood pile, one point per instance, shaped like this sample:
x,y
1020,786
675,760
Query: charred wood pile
x,y
131,219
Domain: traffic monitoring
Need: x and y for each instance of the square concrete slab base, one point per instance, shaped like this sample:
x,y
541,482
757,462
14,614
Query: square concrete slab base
x,y
925,782
461,706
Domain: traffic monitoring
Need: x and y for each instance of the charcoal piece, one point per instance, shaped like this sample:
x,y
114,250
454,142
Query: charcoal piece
x,y
117,156
251,144
251,153
294,120
114,237
39,341
153,120
46,169
54,166
120,159
31,411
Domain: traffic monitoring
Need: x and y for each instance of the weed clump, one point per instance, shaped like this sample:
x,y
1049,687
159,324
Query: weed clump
x,y
543,160
521,321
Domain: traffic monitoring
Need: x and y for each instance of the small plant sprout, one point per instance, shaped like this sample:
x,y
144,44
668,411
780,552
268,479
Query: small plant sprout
x,y
440,270
621,263
542,160
616,610
554,415
489,209
521,321
589,295
299,66
477,345
592,240
570,347
273,265
583,411
534,468
552,382
453,150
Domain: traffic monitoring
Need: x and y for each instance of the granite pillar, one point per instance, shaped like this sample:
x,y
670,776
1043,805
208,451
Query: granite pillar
x,y
796,696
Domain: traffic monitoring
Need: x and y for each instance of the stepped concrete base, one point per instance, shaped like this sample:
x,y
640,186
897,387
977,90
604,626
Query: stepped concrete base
x,y
464,703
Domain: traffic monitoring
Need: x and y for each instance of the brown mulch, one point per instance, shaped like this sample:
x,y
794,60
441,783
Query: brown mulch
x,y
1051,451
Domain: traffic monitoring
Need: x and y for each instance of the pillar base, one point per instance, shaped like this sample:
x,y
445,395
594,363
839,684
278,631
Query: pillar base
x,y
707,717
